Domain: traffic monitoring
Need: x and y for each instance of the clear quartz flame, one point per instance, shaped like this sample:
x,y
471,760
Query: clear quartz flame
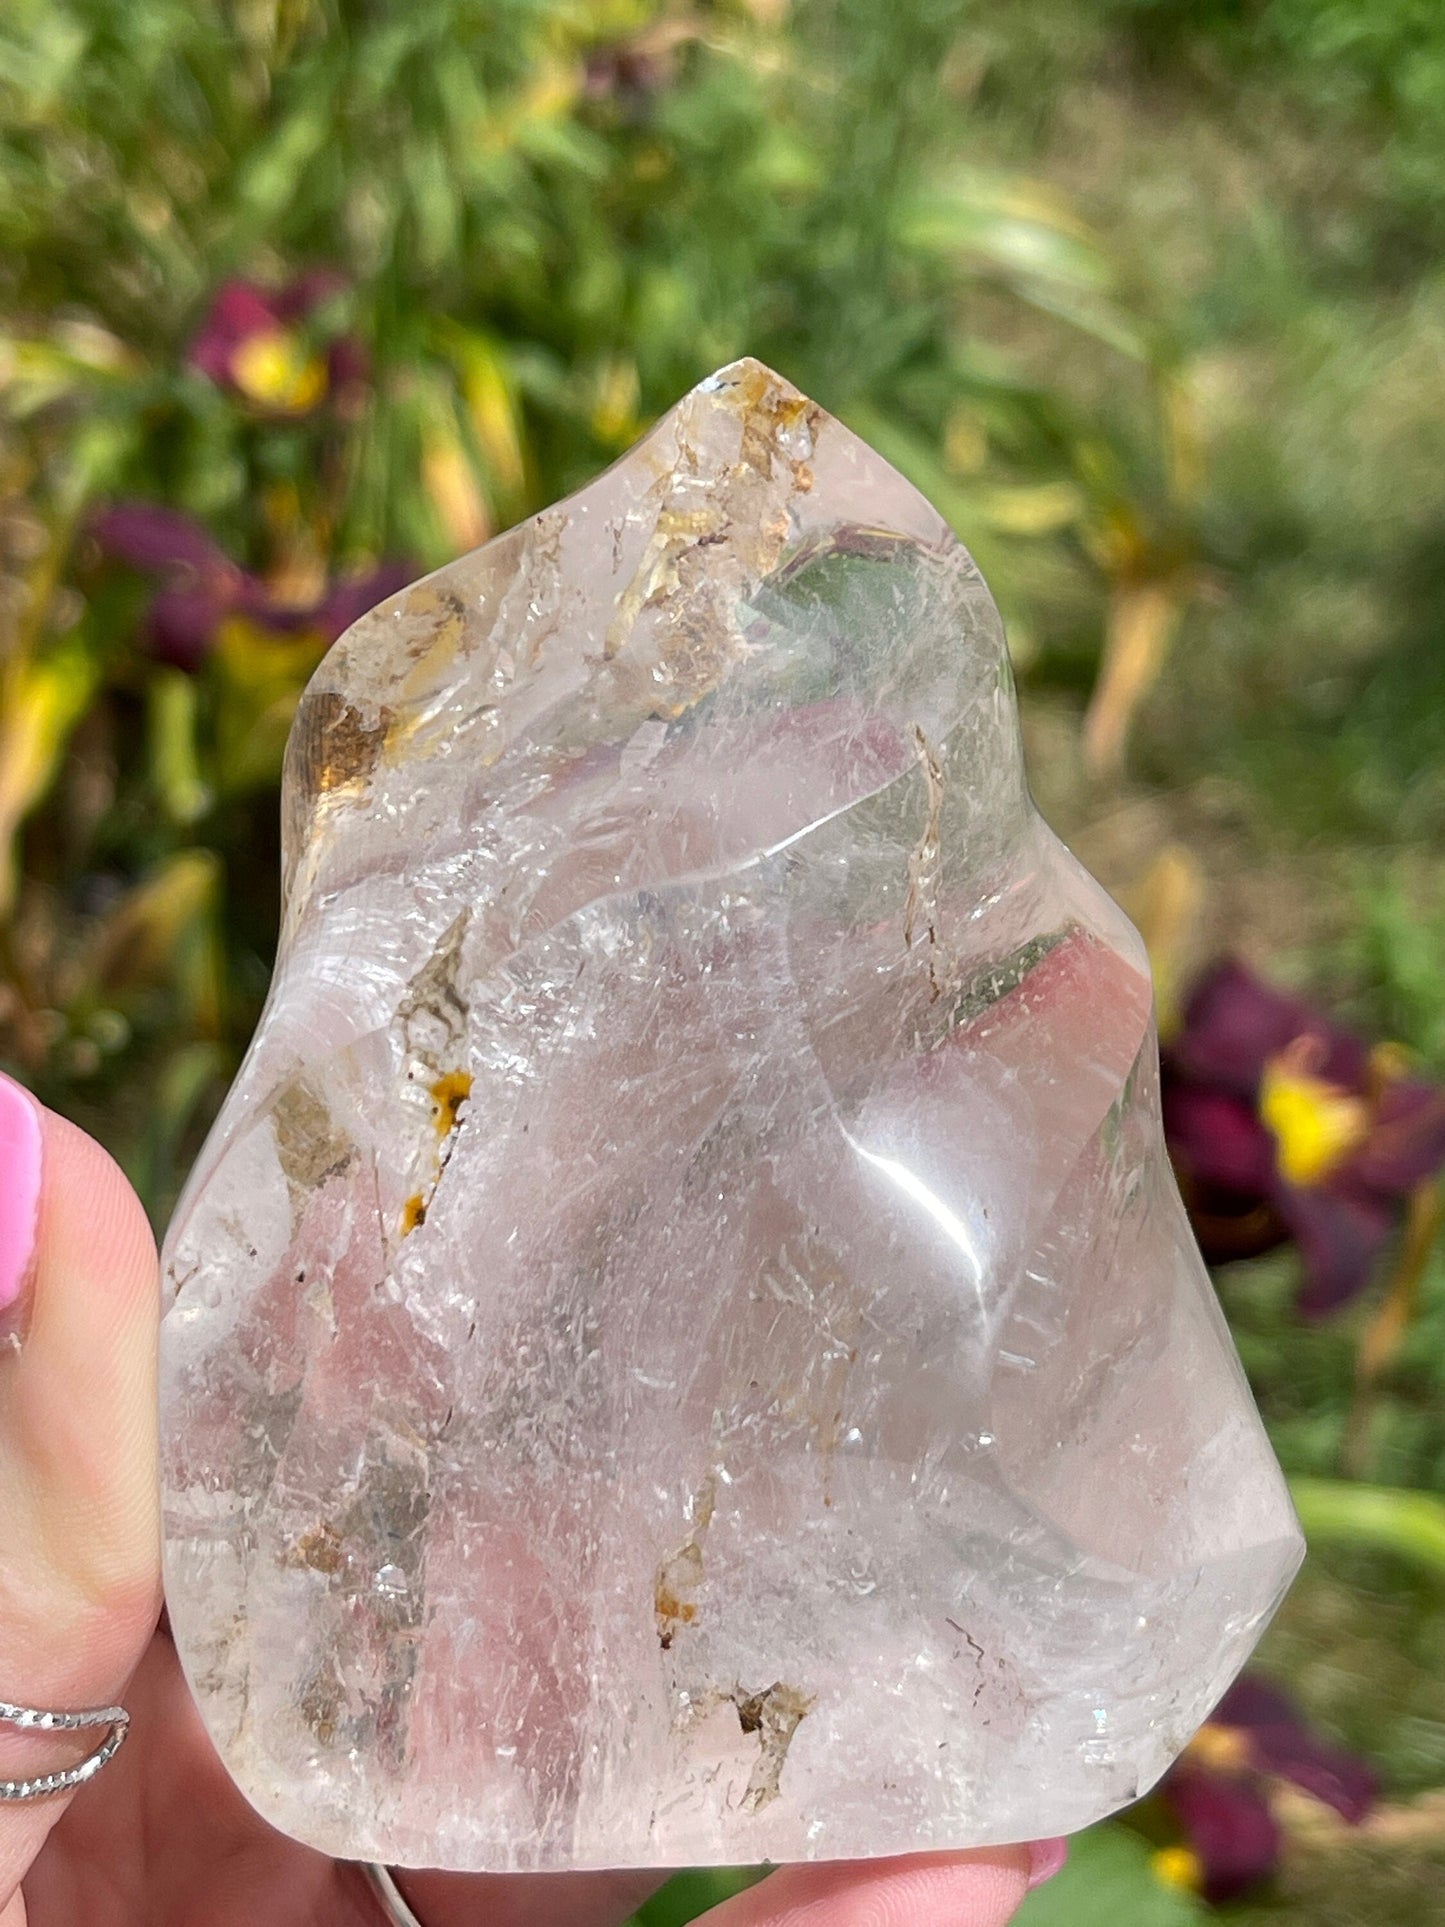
x,y
682,1345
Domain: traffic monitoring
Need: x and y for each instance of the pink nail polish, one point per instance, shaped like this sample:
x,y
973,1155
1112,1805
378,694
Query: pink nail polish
x,y
1046,1857
20,1158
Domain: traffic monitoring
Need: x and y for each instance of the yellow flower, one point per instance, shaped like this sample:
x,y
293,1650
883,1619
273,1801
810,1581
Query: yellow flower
x,y
272,369
1314,1123
1178,1867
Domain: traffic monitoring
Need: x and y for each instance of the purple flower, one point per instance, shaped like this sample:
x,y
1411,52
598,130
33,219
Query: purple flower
x,y
199,583
1219,1791
348,597
632,71
259,345
200,587
1284,1126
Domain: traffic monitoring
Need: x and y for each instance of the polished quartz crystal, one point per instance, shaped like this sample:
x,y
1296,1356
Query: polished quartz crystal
x,y
683,1345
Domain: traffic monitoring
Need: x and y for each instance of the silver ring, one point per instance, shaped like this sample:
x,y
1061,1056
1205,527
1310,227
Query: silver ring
x,y
379,1879
28,1719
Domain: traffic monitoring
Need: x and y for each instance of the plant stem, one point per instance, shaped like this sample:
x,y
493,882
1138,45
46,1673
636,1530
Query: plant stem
x,y
1382,1337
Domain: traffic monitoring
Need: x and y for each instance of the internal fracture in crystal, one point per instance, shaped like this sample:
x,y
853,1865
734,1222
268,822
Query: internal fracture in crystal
x,y
683,1345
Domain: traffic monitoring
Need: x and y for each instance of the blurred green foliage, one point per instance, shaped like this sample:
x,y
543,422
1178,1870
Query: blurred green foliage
x,y
551,219
1106,1882
1145,296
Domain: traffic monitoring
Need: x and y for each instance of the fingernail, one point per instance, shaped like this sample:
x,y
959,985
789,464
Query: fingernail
x,y
19,1188
1045,1859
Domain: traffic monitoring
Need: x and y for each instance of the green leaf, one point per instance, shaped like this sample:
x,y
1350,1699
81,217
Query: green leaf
x,y
1378,1517
1107,1881
687,1895
186,1083
42,703
1031,242
173,711
269,177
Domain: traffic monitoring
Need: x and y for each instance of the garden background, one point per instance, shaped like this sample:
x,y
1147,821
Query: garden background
x,y
301,297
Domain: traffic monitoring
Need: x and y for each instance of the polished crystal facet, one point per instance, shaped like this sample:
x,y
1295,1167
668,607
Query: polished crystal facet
x,y
683,1345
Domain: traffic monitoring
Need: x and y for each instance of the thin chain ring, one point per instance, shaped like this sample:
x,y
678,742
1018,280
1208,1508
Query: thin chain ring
x,y
29,1719
392,1899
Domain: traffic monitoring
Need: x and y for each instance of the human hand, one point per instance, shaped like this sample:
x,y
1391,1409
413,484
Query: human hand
x,y
160,1837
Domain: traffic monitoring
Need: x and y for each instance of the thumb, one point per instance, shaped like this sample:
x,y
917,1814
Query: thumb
x,y
79,1559
979,1889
